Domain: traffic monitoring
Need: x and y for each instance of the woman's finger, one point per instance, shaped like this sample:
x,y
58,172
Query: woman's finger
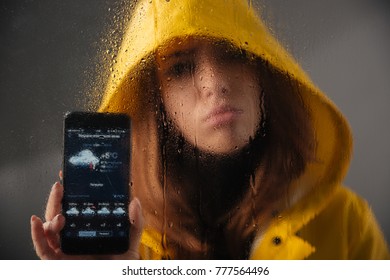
x,y
137,224
52,231
42,248
53,206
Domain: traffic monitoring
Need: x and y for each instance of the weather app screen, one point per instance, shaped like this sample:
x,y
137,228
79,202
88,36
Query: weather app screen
x,y
96,164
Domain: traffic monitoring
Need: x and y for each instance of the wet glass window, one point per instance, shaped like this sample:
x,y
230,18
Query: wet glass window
x,y
233,127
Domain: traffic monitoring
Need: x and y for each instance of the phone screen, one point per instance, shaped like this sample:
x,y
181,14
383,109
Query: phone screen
x,y
96,183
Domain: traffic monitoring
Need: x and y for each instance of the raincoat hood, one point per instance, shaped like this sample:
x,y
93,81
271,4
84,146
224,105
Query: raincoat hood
x,y
157,23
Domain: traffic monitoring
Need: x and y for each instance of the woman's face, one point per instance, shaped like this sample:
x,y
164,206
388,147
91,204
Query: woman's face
x,y
211,93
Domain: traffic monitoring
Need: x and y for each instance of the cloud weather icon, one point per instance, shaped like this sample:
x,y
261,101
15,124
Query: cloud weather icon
x,y
88,211
73,211
119,211
103,211
85,158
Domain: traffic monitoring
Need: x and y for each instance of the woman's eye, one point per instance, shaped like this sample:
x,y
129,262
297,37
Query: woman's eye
x,y
181,68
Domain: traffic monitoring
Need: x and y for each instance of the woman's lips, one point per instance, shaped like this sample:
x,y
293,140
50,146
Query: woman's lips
x,y
222,115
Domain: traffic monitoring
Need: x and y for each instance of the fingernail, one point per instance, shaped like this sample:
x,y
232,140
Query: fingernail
x,y
33,218
137,203
56,185
135,211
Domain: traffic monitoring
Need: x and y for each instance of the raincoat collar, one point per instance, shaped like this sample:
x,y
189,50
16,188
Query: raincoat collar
x,y
281,241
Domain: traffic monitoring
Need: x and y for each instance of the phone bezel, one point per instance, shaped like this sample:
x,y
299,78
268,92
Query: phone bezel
x,y
106,245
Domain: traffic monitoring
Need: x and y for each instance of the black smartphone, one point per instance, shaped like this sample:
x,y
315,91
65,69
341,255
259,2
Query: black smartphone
x,y
96,175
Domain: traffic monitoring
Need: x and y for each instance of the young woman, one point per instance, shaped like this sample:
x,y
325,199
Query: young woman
x,y
236,153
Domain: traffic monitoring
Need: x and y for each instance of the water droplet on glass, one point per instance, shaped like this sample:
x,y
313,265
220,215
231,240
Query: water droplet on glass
x,y
277,240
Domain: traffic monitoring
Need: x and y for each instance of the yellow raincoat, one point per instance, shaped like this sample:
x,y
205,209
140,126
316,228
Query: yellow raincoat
x,y
326,221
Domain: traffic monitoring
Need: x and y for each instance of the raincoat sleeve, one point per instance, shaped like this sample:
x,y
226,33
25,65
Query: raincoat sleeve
x,y
366,239
347,229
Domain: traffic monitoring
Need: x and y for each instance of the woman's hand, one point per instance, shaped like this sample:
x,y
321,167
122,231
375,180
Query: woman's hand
x,y
46,235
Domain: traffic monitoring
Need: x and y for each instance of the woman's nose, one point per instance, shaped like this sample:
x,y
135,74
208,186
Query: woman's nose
x,y
212,78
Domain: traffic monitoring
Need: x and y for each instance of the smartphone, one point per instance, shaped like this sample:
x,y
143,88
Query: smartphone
x,y
96,175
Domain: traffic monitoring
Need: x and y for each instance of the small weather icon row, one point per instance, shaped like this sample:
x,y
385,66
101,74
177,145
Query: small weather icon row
x,y
88,211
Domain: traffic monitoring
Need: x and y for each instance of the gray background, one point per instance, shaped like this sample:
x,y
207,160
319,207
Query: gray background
x,y
50,50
